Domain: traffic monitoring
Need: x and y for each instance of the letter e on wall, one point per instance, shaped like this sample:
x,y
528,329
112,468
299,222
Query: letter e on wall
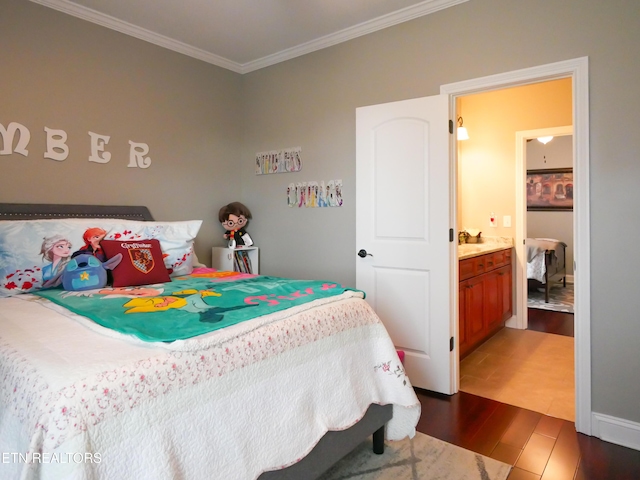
x,y
97,145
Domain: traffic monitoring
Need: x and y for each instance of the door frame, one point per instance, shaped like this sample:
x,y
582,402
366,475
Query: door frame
x,y
520,320
578,70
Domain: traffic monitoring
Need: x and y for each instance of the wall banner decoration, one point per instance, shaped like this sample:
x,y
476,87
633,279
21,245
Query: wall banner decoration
x,y
286,160
58,150
313,194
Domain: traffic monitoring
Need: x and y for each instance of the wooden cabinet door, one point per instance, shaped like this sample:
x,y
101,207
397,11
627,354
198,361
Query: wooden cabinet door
x,y
492,312
505,292
475,318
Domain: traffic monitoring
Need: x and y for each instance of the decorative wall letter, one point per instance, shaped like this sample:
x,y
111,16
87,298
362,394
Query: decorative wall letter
x,y
97,145
279,161
8,135
136,155
57,148
313,195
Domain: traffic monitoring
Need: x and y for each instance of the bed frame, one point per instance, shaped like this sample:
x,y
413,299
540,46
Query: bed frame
x,y
332,447
552,273
25,211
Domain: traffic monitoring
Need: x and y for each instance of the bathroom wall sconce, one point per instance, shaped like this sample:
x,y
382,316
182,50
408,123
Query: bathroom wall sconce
x,y
462,131
545,140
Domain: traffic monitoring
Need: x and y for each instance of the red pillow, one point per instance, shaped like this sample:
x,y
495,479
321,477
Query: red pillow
x,y
142,262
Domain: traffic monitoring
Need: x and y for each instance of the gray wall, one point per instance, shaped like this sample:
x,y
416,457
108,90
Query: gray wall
x,y
204,126
64,73
556,154
311,101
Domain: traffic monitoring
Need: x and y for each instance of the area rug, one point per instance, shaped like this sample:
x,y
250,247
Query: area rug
x,y
560,298
421,458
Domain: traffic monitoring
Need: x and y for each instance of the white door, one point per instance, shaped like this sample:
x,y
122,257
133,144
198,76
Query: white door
x,y
402,223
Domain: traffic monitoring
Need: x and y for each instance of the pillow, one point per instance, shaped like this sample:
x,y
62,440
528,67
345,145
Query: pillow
x,y
35,251
142,262
84,272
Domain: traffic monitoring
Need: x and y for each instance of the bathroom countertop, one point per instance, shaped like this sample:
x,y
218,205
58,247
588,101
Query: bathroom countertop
x,y
469,250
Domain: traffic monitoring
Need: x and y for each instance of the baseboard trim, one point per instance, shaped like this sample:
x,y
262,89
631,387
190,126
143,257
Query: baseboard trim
x,y
616,430
569,278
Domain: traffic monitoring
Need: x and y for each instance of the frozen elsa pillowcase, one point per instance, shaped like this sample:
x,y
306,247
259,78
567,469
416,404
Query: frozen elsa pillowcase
x,y
35,252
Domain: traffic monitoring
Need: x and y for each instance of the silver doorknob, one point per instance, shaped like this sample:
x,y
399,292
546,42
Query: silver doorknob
x,y
363,253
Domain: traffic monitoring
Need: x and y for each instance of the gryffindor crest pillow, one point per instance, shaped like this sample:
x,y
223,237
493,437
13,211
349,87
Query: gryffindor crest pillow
x,y
142,262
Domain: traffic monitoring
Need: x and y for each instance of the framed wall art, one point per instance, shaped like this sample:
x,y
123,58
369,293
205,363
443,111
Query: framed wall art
x,y
550,189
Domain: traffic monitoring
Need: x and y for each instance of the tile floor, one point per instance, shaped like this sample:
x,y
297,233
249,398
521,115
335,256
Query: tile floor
x,y
525,368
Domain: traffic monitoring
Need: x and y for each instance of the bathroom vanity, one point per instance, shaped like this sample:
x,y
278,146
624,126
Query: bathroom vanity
x,y
485,292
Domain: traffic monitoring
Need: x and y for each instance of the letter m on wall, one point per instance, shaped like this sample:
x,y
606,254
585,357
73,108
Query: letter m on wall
x,y
8,136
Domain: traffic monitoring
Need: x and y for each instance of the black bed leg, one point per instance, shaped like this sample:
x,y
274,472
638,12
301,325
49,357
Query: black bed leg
x,y
378,441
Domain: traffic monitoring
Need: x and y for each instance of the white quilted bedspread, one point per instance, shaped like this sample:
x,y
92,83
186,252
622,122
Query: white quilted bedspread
x,y
80,402
535,265
536,248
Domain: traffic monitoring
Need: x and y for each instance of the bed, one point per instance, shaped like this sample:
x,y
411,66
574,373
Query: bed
x,y
283,395
546,263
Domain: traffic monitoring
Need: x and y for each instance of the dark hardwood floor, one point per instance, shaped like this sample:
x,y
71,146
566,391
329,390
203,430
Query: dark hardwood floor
x,y
547,321
540,447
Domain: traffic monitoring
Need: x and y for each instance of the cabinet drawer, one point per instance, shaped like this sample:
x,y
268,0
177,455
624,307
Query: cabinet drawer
x,y
500,258
466,269
471,267
486,263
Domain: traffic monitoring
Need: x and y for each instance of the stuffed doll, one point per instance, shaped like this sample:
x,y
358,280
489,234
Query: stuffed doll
x,y
234,218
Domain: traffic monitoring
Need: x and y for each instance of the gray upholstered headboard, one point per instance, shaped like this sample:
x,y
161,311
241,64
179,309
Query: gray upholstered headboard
x,y
27,211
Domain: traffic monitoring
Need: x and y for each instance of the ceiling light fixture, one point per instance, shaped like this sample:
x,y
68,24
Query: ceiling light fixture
x,y
462,131
545,140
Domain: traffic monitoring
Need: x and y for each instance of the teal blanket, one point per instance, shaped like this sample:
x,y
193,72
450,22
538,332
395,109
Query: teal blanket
x,y
190,305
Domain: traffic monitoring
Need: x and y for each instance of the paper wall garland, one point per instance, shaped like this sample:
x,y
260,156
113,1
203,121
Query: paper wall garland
x,y
286,160
315,195
58,150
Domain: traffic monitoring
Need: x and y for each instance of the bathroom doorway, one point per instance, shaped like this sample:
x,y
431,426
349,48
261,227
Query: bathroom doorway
x,y
527,368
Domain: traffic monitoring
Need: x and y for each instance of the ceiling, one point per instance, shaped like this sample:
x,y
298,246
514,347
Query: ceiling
x,y
246,35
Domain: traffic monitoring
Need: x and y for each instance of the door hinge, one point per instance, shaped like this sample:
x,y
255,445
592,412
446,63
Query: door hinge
x,y
451,234
451,344
450,126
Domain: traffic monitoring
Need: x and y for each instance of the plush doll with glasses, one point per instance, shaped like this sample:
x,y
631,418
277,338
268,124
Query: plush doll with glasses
x,y
234,218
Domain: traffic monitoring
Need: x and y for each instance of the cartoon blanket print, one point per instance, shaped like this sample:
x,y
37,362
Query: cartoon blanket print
x,y
191,305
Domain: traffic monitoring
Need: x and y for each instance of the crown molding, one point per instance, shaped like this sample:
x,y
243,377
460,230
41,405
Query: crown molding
x,y
380,23
93,16
121,26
